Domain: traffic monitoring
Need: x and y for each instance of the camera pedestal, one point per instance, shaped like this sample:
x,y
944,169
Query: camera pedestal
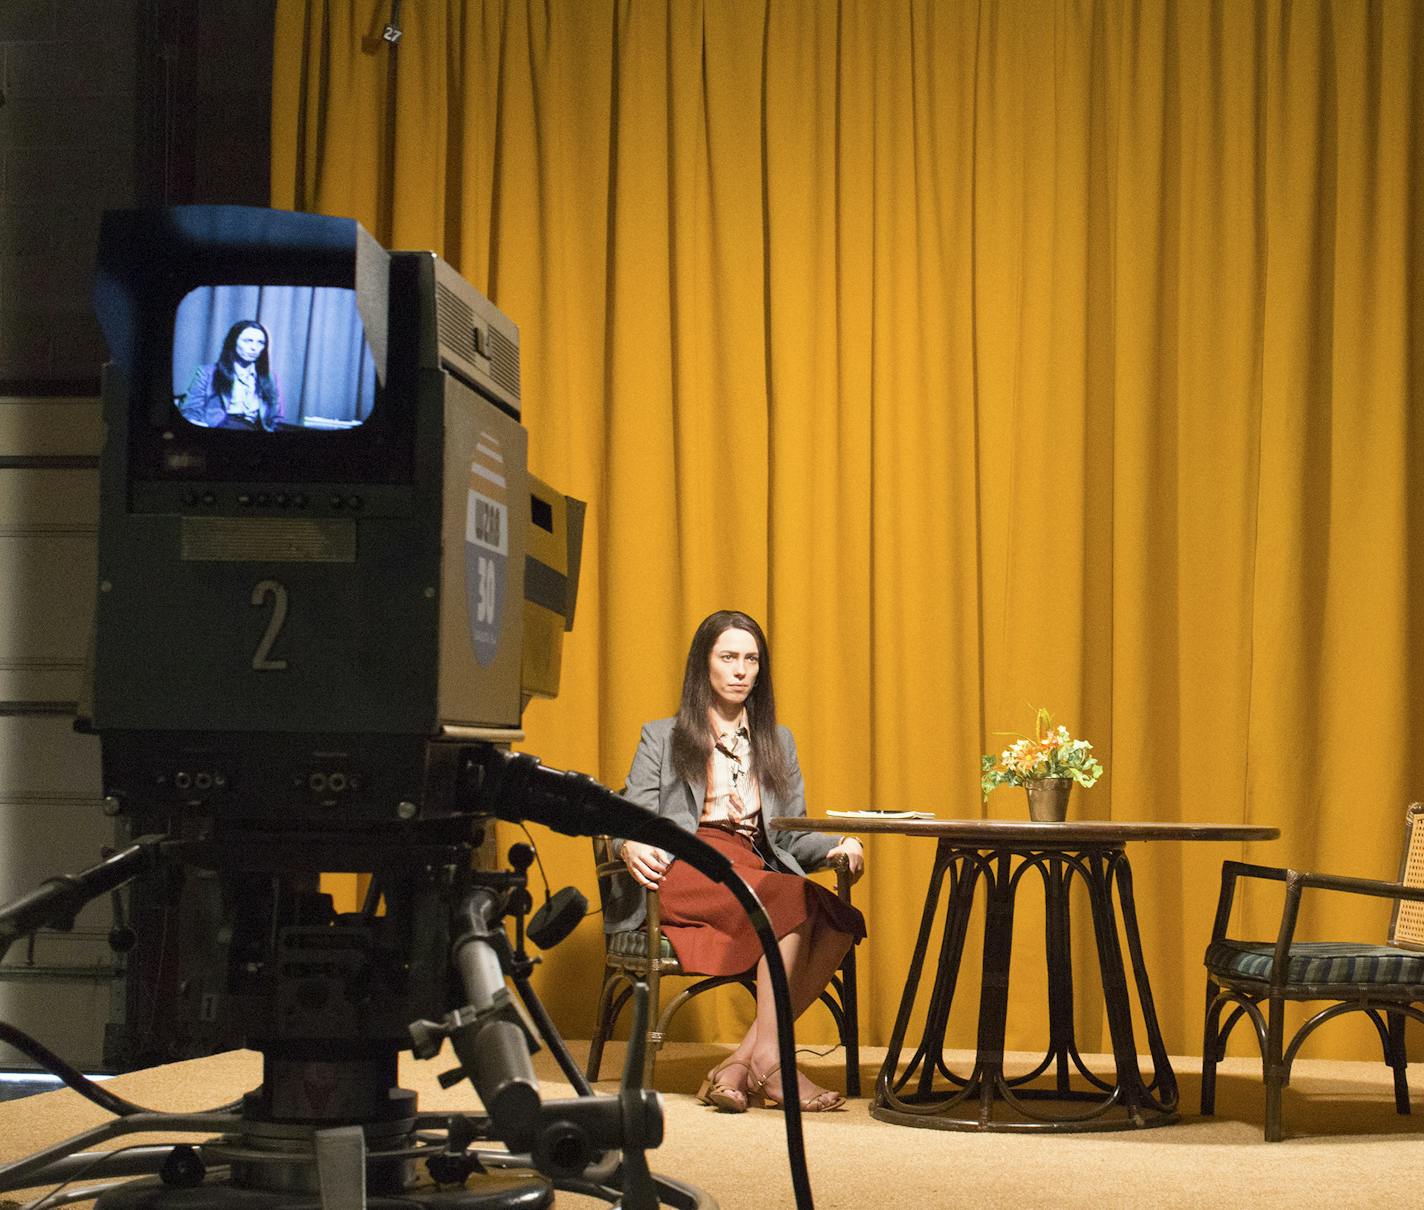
x,y
494,1193
325,1162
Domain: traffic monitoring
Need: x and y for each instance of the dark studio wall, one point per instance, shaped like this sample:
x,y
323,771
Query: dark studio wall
x,y
103,104
112,103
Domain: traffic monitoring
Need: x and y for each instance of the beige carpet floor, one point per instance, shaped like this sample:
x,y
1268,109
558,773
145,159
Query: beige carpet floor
x,y
1347,1146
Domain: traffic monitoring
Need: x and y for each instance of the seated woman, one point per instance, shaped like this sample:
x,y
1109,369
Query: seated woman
x,y
236,391
721,767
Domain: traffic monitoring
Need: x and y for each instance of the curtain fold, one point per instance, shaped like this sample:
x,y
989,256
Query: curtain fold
x,y
994,355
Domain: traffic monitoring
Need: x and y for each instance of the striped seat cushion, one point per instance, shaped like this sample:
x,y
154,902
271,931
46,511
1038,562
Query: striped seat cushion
x,y
633,943
1318,962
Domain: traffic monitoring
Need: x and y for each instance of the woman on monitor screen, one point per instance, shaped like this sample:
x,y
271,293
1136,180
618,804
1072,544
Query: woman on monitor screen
x,y
721,768
237,390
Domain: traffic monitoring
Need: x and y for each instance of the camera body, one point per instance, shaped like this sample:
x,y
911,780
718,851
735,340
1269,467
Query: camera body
x,y
327,586
306,621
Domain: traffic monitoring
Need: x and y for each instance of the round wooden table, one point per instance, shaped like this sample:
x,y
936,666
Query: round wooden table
x,y
1001,853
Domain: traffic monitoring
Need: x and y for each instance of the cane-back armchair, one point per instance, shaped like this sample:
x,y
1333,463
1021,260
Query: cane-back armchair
x,y
627,962
1385,982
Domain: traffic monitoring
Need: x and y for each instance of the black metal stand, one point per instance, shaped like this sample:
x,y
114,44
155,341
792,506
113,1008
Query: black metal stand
x,y
328,1126
1060,1093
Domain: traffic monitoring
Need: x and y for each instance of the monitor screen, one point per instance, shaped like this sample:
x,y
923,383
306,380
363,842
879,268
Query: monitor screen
x,y
272,358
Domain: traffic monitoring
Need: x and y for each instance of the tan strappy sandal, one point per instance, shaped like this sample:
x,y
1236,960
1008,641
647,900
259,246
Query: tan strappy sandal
x,y
758,1094
727,1097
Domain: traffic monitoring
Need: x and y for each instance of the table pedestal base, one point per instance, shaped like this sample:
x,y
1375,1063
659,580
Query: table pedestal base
x,y
1060,1093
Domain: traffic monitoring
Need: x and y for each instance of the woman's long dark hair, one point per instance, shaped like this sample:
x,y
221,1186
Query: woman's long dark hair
x,y
223,370
692,733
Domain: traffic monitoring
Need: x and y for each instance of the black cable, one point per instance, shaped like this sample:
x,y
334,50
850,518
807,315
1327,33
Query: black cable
x,y
75,1078
23,1173
516,787
72,1076
539,861
713,865
59,1198
785,1038
96,1161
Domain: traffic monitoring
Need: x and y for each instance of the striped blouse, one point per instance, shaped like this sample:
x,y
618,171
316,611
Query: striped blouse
x,y
733,800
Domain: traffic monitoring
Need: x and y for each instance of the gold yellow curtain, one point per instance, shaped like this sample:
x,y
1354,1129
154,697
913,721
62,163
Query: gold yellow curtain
x,y
1059,352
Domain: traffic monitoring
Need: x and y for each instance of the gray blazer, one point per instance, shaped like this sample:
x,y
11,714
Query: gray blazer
x,y
653,783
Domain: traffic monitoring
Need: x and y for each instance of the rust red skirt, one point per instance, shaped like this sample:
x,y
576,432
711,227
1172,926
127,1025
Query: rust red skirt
x,y
708,929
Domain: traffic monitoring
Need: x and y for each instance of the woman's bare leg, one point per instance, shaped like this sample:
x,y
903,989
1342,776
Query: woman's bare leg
x,y
811,953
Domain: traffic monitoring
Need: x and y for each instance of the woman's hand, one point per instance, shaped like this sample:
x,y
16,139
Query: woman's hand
x,y
647,863
854,855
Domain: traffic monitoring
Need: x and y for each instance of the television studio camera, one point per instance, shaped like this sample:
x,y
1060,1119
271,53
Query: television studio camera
x,y
327,588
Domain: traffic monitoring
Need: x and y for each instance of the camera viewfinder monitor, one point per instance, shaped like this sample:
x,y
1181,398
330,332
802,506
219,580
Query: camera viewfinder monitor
x,y
253,350
271,359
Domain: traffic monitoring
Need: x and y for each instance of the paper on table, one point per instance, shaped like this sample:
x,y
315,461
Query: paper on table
x,y
881,814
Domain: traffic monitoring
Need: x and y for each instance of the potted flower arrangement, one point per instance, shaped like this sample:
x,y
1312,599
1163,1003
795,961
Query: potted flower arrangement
x,y
1046,766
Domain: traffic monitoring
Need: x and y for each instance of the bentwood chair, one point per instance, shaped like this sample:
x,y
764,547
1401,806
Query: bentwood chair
x,y
643,955
1385,982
